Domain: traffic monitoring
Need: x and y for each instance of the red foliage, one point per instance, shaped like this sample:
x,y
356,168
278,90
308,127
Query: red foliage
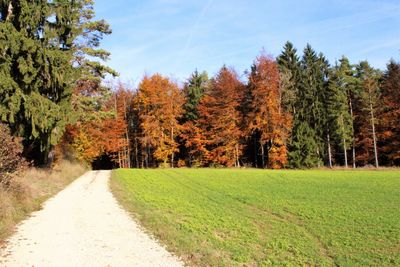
x,y
266,115
219,125
160,106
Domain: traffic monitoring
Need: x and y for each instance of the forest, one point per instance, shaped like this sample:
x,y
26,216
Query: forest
x,y
295,110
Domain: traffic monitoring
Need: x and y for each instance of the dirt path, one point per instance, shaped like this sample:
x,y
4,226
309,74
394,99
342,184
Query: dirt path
x,y
83,226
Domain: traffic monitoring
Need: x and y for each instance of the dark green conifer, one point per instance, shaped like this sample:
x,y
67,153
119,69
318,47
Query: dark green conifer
x,y
194,90
339,120
43,52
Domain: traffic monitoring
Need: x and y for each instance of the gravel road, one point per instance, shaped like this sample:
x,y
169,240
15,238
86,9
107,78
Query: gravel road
x,y
83,225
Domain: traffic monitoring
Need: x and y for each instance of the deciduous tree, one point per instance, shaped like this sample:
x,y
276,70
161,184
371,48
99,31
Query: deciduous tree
x,y
266,119
220,119
161,104
389,115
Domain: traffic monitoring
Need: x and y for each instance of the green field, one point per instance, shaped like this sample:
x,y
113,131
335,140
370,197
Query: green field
x,y
225,217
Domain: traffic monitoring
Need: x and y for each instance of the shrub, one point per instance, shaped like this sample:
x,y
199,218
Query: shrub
x,y
11,161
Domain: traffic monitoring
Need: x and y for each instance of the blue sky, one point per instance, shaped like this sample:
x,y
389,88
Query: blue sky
x,y
174,37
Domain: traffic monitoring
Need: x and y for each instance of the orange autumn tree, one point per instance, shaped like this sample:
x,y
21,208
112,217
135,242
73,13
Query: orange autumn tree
x,y
116,137
220,119
100,124
160,106
389,115
266,119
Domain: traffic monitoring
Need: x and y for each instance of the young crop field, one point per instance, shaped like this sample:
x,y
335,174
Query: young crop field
x,y
226,217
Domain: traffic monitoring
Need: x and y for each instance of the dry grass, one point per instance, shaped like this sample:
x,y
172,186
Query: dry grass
x,y
28,191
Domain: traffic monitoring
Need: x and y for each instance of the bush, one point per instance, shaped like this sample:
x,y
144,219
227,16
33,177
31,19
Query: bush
x,y
11,161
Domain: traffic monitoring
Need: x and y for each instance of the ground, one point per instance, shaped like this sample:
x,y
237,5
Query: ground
x,y
262,217
83,226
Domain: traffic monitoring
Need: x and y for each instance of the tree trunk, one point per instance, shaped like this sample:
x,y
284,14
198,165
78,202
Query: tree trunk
x,y
136,152
262,156
354,145
345,153
329,152
128,143
147,155
344,142
255,152
237,156
119,159
374,136
9,11
173,154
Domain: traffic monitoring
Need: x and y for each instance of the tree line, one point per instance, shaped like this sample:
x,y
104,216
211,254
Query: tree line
x,y
289,112
292,111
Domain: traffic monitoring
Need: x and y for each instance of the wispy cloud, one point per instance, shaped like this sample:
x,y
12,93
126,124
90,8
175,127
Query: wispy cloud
x,y
177,36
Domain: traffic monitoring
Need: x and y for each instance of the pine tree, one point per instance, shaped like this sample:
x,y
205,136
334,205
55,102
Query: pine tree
x,y
311,97
302,137
193,90
368,98
308,78
339,125
303,147
289,66
43,48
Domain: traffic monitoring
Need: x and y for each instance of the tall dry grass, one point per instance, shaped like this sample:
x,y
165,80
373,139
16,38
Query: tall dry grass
x,y
29,190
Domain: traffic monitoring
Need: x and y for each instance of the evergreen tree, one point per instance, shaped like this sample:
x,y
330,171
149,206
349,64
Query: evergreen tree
x,y
309,115
303,147
289,66
194,90
368,98
43,48
302,144
311,96
339,125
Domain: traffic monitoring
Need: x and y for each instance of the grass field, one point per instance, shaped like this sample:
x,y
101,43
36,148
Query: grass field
x,y
225,217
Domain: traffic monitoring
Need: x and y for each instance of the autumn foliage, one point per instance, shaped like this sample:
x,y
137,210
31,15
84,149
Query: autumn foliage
x,y
220,120
229,121
11,160
266,118
160,106
101,125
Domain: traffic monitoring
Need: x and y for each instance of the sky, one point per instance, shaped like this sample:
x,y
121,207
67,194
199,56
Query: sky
x,y
175,37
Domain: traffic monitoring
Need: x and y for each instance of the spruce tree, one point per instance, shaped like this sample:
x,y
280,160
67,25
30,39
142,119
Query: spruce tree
x,y
194,90
43,49
311,96
303,147
309,115
301,144
289,67
368,97
339,120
